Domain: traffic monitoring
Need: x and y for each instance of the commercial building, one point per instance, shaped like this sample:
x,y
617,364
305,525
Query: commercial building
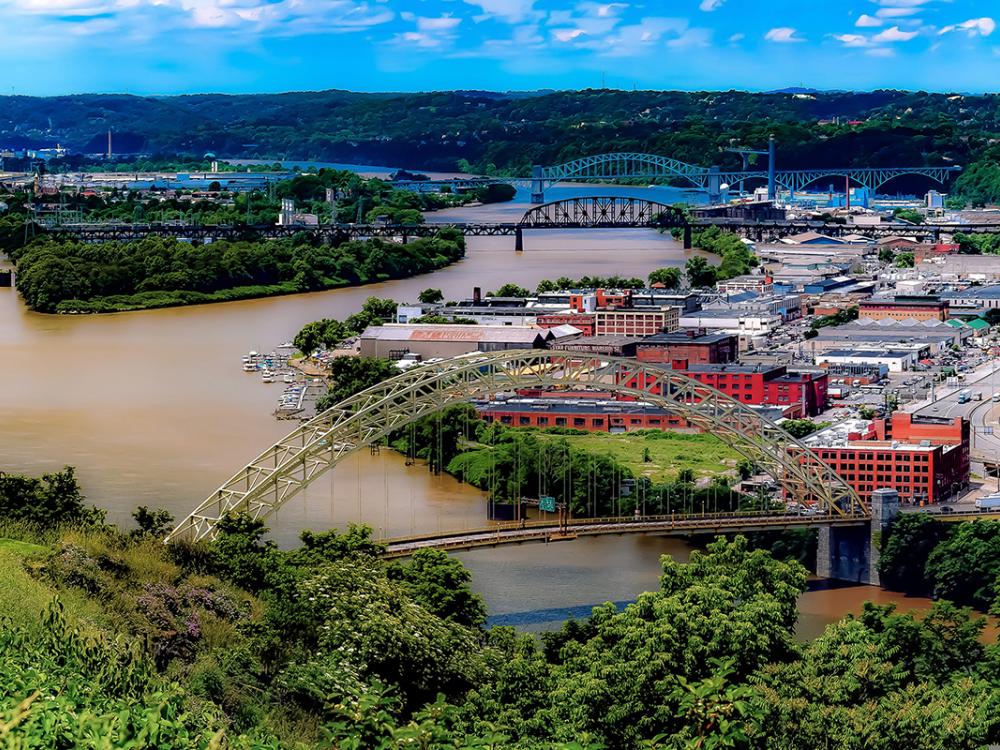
x,y
693,345
636,322
904,308
592,414
394,340
798,393
926,460
586,322
896,360
609,346
750,283
987,297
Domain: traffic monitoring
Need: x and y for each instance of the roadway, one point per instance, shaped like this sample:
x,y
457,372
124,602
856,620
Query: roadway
x,y
551,531
982,415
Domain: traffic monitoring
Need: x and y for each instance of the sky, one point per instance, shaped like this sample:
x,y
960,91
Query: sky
x,y
235,46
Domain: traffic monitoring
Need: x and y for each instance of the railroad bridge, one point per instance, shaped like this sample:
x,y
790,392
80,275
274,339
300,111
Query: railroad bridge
x,y
286,468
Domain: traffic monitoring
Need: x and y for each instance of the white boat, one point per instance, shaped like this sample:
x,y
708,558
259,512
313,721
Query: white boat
x,y
267,376
249,367
288,377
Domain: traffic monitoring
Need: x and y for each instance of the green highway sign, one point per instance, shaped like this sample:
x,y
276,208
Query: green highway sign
x,y
548,504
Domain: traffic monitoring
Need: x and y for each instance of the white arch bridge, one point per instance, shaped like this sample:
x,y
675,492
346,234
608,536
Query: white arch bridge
x,y
319,445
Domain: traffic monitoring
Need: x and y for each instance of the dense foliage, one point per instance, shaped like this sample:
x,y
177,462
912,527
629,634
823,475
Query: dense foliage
x,y
155,272
239,644
960,562
329,332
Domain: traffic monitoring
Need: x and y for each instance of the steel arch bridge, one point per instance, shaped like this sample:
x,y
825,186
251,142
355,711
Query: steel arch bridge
x,y
633,165
286,468
611,212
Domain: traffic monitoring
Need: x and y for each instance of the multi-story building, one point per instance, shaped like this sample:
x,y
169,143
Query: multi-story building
x,y
904,308
635,321
586,322
695,346
798,394
594,415
925,460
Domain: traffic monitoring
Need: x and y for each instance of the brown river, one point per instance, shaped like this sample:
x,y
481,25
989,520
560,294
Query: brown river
x,y
152,408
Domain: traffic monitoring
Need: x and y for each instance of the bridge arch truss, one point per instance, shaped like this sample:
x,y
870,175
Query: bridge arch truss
x,y
286,468
611,212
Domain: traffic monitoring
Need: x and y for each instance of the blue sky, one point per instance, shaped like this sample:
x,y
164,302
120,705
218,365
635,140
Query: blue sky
x,y
183,46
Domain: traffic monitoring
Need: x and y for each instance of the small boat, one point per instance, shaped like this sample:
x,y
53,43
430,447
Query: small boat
x,y
288,377
267,376
249,367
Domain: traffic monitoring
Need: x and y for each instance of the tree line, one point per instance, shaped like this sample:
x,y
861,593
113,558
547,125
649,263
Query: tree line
x,y
112,639
72,276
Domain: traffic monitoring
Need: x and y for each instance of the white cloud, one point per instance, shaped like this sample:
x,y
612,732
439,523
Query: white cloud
x,y
783,35
880,52
709,5
897,12
867,22
442,23
567,35
511,11
853,40
894,34
738,37
972,27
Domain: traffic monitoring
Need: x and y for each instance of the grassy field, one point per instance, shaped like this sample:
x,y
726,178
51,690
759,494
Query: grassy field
x,y
669,452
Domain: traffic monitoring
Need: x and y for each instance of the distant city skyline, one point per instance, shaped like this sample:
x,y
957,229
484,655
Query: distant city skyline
x,y
236,46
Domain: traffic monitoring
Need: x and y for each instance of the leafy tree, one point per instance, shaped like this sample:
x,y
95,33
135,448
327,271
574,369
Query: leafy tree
x,y
800,428
47,501
510,290
886,255
904,260
153,523
908,214
440,583
906,549
670,278
965,566
699,273
430,296
352,375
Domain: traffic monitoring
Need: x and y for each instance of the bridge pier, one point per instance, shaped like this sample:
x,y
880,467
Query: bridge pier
x,y
518,240
688,243
714,185
537,185
772,152
852,553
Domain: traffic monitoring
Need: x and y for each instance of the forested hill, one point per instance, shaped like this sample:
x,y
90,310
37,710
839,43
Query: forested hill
x,y
509,132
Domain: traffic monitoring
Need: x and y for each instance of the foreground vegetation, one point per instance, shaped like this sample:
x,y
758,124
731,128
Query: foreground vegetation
x,y
156,272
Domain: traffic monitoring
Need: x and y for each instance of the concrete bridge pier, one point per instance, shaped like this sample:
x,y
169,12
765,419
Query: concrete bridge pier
x,y
688,242
518,240
851,553
537,186
714,185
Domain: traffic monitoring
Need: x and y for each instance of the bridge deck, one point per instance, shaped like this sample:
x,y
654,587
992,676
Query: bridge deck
x,y
545,531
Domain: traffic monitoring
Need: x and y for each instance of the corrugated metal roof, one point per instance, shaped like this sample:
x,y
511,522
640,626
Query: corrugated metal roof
x,y
492,334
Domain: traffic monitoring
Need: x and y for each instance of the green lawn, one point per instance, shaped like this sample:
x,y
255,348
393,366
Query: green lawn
x,y
23,598
669,452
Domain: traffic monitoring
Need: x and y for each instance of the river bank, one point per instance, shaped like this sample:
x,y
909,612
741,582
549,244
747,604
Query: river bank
x,y
152,410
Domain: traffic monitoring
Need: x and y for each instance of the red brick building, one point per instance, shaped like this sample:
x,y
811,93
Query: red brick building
x,y
697,347
925,460
593,415
800,394
586,322
903,308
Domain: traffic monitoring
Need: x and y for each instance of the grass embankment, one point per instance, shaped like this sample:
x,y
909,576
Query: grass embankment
x,y
669,452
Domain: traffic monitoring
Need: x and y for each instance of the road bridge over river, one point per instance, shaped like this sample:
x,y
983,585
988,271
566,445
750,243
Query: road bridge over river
x,y
632,166
847,521
595,212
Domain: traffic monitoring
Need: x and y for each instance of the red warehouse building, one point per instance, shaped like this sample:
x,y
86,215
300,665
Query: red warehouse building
x,y
926,460
799,394
697,347
579,413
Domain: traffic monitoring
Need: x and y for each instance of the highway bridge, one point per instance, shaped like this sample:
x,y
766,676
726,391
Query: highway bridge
x,y
634,166
594,212
849,525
